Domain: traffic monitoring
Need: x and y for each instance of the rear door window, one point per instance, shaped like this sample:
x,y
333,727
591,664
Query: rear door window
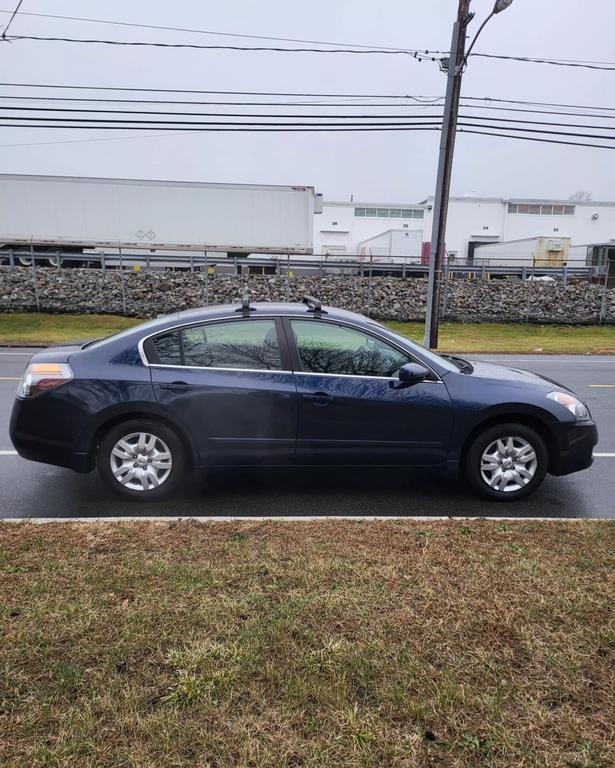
x,y
241,344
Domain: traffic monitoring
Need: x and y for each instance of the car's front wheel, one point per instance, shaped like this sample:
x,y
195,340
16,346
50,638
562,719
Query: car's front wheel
x,y
506,462
141,459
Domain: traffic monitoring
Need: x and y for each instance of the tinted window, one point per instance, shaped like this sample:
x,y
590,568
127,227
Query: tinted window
x,y
328,348
168,348
238,344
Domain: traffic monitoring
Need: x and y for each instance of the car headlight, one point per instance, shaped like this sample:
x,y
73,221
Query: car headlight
x,y
573,404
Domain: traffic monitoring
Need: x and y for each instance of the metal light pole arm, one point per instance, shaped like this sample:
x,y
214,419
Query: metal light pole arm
x,y
476,36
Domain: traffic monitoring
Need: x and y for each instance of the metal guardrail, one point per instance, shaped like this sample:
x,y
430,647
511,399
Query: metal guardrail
x,y
285,266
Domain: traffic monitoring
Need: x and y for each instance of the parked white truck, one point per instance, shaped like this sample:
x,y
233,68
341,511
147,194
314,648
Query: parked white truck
x,y
73,215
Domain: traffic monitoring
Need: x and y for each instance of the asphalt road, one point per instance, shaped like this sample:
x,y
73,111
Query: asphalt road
x,y
28,489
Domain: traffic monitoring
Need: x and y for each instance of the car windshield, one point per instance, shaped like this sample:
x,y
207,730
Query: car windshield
x,y
427,354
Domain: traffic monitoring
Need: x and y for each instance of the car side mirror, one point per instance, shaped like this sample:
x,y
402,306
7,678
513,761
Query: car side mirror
x,y
412,373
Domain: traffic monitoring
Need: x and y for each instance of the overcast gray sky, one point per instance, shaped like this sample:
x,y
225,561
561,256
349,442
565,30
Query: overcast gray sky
x,y
376,167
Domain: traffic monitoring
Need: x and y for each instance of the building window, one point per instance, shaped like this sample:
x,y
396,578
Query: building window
x,y
390,213
543,210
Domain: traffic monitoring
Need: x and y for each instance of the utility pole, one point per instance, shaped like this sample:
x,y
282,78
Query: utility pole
x,y
445,166
454,68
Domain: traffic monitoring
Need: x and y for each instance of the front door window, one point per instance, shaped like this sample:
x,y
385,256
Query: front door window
x,y
335,349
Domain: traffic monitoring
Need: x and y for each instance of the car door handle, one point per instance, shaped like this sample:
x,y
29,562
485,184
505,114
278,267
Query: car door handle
x,y
178,386
319,398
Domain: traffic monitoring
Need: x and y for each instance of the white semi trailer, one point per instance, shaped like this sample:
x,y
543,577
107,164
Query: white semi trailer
x,y
73,215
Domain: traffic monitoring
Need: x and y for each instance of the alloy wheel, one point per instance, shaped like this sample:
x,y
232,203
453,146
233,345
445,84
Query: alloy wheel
x,y
508,464
141,461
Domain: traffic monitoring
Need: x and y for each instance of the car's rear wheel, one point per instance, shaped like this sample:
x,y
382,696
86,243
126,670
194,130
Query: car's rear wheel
x,y
506,462
141,459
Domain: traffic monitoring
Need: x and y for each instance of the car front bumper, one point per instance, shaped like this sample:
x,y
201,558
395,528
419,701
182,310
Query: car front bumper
x,y
574,446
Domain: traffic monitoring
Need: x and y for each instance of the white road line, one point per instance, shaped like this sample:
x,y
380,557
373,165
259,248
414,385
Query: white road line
x,y
18,354
9,378
602,386
8,453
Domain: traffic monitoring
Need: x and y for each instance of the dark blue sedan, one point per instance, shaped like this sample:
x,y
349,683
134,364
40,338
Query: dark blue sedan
x,y
283,385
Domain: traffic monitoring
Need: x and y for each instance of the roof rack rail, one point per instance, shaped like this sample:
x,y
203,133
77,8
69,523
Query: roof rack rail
x,y
314,305
245,307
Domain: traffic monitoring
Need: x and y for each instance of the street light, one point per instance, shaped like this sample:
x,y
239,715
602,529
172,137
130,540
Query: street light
x,y
500,5
458,60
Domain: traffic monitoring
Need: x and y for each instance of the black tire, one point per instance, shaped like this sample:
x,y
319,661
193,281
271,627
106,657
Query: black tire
x,y
165,438
484,441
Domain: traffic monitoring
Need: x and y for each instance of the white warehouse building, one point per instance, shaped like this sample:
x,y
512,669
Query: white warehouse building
x,y
395,230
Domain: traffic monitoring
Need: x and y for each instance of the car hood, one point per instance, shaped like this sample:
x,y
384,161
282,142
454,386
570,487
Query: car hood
x,y
502,374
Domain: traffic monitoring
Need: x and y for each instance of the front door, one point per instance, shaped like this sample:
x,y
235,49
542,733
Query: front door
x,y
228,383
353,408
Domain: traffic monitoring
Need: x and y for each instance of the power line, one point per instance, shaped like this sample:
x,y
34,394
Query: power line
x,y
121,122
419,55
206,128
216,33
88,141
608,66
346,103
304,94
206,31
531,122
261,115
93,123
183,131
535,138
81,110
6,29
536,103
535,130
319,104
343,104
537,111
212,93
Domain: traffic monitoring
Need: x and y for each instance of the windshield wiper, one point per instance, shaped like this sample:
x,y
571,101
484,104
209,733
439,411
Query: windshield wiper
x,y
464,365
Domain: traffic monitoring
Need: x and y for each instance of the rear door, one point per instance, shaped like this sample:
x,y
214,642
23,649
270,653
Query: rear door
x,y
229,383
353,408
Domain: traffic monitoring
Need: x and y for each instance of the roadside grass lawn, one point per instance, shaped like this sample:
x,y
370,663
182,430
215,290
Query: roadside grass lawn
x,y
335,643
519,338
41,328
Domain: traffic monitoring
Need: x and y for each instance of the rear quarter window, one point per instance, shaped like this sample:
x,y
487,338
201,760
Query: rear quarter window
x,y
166,349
